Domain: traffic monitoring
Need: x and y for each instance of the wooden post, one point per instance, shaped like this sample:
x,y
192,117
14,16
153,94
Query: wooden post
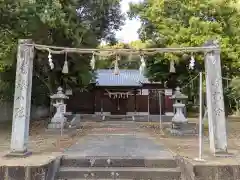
x,y
168,102
22,98
200,118
102,107
215,101
160,108
148,107
135,101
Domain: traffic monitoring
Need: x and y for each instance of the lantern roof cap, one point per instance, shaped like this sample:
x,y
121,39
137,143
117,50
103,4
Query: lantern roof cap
x,y
178,94
59,94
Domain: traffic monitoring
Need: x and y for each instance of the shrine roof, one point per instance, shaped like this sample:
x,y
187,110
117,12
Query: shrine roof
x,y
126,77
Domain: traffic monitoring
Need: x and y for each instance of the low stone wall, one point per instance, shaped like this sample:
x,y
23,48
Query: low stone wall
x,y
42,172
6,111
227,172
187,169
192,171
39,112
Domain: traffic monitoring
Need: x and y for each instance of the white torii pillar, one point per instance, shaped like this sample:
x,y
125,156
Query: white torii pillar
x,y
215,101
22,98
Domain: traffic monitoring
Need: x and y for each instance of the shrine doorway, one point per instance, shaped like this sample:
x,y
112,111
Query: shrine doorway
x,y
118,101
119,107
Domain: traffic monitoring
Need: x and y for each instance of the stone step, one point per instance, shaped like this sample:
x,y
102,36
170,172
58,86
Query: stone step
x,y
138,118
73,161
91,179
120,173
118,123
116,126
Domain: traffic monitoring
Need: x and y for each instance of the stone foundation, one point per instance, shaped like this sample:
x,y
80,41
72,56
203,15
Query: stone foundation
x,y
191,171
186,168
41,172
188,129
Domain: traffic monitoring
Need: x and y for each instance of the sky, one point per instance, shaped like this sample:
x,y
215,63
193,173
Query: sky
x,y
129,30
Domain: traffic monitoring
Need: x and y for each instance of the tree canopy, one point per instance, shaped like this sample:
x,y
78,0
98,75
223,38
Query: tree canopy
x,y
127,61
71,23
177,23
183,23
75,23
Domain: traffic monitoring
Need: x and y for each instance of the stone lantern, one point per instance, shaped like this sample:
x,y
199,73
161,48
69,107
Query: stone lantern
x,y
179,109
179,97
179,119
58,119
180,124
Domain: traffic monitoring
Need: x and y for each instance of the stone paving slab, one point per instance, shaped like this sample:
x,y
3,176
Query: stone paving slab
x,y
128,143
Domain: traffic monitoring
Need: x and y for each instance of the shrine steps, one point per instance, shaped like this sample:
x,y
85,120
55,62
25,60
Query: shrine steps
x,y
118,168
119,117
122,173
94,179
75,161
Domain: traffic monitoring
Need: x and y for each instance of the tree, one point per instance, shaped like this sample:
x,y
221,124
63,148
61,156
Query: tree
x,y
69,23
235,85
128,61
175,23
181,23
234,93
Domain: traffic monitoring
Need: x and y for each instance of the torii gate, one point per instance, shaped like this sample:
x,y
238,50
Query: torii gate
x,y
23,88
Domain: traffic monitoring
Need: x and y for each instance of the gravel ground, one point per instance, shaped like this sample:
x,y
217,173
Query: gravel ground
x,y
46,146
188,146
43,145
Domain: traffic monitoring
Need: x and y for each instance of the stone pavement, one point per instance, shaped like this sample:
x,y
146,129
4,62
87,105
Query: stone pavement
x,y
118,139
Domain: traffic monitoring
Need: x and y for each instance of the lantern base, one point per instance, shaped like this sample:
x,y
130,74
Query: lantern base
x,y
56,123
183,129
14,154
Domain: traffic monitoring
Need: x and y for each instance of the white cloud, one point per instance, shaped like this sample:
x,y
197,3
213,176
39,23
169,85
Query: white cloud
x,y
129,30
125,4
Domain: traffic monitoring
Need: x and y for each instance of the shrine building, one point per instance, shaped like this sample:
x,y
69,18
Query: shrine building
x,y
126,93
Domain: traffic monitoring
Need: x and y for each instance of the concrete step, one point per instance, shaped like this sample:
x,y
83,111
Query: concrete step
x,y
117,124
91,179
120,173
138,118
73,161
